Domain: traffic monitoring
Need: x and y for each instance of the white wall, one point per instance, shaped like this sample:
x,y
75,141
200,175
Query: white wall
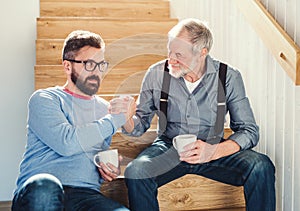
x,y
17,59
274,97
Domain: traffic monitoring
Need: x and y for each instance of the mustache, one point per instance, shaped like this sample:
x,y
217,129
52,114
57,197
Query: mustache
x,y
93,77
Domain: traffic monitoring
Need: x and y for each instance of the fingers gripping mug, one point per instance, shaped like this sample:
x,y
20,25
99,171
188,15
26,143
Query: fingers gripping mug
x,y
180,141
107,156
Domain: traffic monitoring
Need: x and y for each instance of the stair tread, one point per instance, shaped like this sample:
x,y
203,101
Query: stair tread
x,y
108,28
129,19
138,9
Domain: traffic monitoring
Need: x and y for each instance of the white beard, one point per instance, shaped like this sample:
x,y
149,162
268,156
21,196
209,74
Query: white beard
x,y
178,72
181,71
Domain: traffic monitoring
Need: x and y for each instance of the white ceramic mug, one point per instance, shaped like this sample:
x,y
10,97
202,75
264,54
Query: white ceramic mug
x,y
180,141
107,156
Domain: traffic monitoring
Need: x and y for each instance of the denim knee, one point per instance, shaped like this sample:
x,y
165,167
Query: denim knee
x,y
40,192
134,170
264,165
43,184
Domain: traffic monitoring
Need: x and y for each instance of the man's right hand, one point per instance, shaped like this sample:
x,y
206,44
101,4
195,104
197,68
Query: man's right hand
x,y
126,105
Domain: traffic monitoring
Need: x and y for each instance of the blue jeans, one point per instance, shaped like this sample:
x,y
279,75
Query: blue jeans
x,y
43,192
159,164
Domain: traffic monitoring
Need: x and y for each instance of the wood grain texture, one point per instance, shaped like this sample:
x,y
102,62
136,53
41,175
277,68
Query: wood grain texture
x,y
190,192
49,51
136,37
108,28
121,9
116,80
281,45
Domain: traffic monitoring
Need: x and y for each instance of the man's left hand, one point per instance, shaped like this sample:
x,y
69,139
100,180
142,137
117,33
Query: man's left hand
x,y
198,152
110,172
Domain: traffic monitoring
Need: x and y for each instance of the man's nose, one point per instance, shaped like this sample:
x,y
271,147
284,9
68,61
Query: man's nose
x,y
172,60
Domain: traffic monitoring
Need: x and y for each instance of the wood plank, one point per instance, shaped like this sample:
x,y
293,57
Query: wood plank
x,y
108,28
48,51
284,49
119,79
129,147
5,205
121,9
116,81
104,1
190,192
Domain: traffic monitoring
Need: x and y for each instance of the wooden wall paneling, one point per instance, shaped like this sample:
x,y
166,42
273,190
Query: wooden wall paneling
x,y
290,18
279,134
297,23
289,110
270,138
296,148
281,45
267,74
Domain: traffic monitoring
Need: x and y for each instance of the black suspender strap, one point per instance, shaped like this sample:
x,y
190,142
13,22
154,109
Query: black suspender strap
x,y
164,94
221,108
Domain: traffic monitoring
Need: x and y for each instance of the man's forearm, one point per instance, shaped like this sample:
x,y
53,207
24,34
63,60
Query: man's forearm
x,y
129,126
226,148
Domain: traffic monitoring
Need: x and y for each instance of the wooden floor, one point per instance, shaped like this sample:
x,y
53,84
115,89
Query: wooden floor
x,y
6,206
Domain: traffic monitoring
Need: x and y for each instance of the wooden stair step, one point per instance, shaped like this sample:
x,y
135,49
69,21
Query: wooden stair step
x,y
130,147
103,8
6,205
180,194
108,28
116,81
104,1
48,51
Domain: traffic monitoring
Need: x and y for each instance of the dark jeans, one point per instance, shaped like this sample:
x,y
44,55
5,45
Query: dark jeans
x,y
44,192
159,164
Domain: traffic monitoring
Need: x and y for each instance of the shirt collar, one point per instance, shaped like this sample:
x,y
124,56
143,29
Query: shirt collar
x,y
210,67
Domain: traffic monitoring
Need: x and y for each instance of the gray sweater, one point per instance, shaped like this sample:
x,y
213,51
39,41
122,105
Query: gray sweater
x,y
64,133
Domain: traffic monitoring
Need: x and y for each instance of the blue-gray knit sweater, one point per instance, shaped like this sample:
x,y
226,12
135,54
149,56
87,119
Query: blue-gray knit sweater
x,y
64,133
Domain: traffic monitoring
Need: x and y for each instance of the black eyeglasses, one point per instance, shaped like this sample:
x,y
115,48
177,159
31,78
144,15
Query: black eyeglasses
x,y
90,65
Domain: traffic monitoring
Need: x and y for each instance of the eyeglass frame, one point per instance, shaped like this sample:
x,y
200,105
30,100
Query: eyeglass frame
x,y
90,60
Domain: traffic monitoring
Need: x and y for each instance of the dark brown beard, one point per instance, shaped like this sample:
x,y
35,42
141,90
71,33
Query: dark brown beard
x,y
83,86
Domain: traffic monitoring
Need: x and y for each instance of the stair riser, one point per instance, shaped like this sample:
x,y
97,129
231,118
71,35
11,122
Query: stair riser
x,y
48,52
150,10
59,28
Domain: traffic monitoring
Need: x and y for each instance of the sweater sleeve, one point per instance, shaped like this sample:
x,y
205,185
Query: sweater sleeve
x,y
50,124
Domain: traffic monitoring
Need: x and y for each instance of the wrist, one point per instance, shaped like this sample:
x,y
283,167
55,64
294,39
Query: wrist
x,y
129,125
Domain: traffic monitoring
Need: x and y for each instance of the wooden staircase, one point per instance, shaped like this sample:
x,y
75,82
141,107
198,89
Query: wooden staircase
x,y
135,33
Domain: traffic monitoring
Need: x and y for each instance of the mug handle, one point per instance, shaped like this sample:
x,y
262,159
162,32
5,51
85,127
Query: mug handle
x,y
95,162
174,143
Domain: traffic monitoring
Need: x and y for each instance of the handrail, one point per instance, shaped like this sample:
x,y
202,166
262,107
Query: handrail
x,y
281,45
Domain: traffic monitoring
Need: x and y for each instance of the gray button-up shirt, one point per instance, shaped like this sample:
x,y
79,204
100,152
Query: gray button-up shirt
x,y
195,112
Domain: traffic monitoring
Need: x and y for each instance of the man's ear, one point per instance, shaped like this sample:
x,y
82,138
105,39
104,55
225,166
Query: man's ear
x,y
67,67
204,52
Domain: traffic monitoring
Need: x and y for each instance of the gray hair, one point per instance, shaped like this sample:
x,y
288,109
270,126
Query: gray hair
x,y
198,32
